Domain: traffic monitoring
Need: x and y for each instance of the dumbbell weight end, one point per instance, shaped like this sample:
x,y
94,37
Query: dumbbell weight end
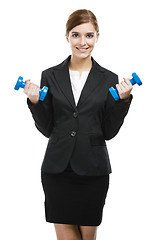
x,y
114,93
19,83
135,79
43,93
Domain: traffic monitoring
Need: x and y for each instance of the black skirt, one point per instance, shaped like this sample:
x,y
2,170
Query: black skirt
x,y
74,199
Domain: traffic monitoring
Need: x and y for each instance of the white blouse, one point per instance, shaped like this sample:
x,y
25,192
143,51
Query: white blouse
x,y
77,83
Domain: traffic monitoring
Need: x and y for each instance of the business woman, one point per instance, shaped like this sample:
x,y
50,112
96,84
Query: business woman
x,y
77,115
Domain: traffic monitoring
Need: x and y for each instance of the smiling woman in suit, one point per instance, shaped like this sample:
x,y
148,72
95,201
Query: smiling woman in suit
x,y
77,115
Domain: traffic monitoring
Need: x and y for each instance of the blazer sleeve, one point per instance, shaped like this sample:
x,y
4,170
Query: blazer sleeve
x,y
42,112
115,112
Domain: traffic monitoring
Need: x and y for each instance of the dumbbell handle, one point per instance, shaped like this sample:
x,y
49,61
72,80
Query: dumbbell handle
x,y
42,92
134,80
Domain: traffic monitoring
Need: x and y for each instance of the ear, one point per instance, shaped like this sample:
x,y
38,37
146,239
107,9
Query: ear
x,y
67,37
97,37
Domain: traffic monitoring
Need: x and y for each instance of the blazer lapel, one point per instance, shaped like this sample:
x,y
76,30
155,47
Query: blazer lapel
x,y
94,79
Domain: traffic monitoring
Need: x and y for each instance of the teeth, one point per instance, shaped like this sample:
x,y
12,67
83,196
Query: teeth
x,y
82,49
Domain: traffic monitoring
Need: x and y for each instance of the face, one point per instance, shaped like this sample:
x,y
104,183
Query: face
x,y
82,39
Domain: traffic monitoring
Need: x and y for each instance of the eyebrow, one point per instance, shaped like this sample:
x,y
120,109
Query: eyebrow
x,y
87,33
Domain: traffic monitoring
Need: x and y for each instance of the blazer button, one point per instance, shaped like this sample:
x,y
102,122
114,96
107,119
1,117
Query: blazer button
x,y
73,133
75,114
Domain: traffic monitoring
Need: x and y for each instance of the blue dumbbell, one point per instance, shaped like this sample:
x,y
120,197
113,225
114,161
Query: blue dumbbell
x,y
42,92
134,80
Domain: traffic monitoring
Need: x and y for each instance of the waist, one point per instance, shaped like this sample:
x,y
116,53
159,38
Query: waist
x,y
68,168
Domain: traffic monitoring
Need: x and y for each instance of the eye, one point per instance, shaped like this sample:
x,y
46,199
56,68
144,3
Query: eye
x,y
90,36
75,35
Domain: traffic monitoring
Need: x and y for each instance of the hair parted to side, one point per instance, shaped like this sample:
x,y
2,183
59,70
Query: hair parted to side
x,y
79,17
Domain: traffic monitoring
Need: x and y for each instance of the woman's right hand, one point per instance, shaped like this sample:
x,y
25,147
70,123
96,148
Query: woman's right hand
x,y
32,91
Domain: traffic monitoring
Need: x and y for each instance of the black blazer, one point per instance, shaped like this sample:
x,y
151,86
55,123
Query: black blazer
x,y
78,133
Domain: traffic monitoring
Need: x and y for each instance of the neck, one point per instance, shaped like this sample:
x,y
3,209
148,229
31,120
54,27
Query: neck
x,y
80,64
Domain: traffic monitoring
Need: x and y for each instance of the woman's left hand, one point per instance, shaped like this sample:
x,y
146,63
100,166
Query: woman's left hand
x,y
124,88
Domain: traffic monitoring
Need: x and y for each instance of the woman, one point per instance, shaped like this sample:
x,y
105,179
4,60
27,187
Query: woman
x,y
77,115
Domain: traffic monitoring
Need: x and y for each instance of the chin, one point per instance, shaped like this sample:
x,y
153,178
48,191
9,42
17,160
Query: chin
x,y
82,55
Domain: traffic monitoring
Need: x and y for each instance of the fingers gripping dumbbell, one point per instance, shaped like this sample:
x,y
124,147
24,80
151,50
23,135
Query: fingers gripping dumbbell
x,y
134,80
42,92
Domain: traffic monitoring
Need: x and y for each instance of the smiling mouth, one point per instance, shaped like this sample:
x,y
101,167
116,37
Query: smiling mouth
x,y
82,49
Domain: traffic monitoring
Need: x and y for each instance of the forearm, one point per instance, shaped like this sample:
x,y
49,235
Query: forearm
x,y
42,115
114,117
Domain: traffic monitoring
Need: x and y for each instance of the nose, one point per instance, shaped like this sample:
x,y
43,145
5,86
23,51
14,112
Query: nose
x,y
82,40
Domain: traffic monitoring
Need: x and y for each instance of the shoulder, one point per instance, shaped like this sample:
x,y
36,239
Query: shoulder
x,y
109,75
51,69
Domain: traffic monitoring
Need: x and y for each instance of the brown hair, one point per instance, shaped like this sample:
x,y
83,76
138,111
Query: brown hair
x,y
79,17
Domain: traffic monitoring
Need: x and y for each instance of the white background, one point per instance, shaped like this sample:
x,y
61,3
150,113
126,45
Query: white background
x,y
33,39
